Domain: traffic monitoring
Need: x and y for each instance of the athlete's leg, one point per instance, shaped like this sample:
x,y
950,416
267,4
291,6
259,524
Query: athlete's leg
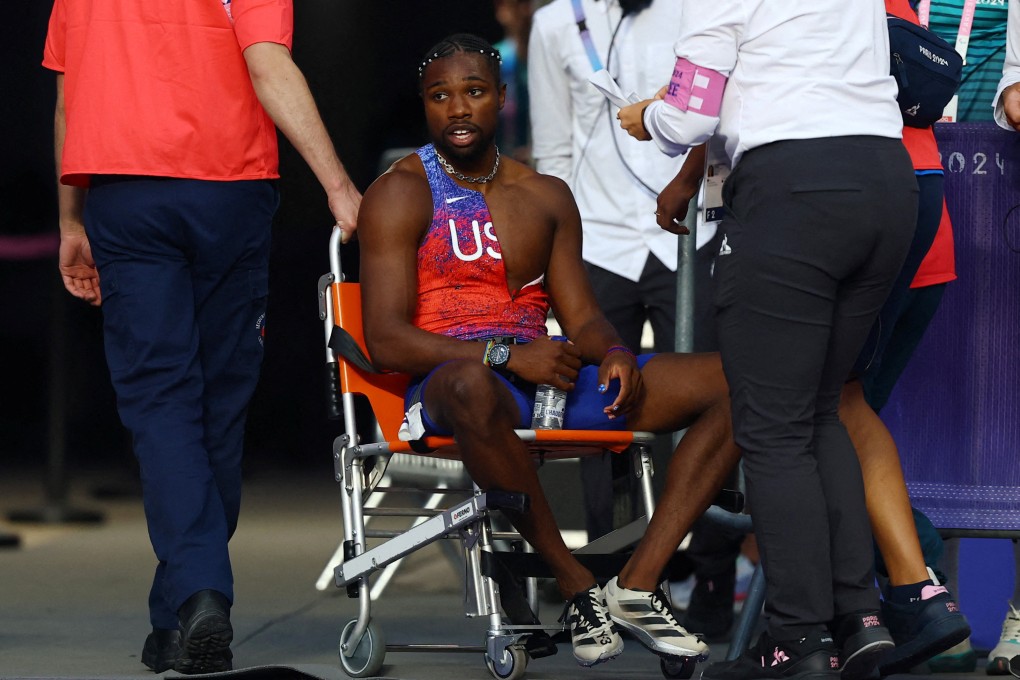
x,y
620,300
468,399
892,520
682,390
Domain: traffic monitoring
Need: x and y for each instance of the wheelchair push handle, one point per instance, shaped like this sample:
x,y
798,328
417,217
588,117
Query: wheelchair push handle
x,y
335,241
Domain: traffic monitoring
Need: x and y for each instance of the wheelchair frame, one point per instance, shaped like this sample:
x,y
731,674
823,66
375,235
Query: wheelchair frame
x,y
508,645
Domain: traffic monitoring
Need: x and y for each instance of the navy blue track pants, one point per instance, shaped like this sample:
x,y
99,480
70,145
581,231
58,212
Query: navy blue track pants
x,y
183,268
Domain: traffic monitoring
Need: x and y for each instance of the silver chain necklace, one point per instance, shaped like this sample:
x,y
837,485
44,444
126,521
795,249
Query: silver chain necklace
x,y
464,178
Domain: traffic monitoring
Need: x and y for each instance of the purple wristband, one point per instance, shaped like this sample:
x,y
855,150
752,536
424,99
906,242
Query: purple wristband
x,y
620,348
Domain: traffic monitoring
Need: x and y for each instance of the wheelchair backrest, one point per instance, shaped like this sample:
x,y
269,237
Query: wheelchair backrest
x,y
384,391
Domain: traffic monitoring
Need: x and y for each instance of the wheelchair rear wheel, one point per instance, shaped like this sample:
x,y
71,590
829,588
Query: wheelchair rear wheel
x,y
511,666
368,656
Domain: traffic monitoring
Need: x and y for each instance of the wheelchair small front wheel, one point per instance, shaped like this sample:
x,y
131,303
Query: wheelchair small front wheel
x,y
368,656
678,667
511,666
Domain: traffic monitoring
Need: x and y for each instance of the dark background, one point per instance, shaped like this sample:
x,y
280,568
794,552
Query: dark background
x,y
360,58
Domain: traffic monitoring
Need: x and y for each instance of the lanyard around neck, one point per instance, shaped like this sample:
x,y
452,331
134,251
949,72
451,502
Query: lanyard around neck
x,y
966,23
582,27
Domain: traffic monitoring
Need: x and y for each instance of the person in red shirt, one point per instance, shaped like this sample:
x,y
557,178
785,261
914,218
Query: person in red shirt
x,y
920,613
166,153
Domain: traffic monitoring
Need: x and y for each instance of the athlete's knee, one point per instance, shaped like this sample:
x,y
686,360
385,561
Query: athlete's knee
x,y
712,378
471,393
706,385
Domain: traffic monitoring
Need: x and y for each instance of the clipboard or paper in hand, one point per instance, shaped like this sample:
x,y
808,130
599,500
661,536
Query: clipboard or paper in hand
x,y
605,84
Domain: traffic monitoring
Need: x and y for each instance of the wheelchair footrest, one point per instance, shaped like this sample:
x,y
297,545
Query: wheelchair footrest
x,y
418,536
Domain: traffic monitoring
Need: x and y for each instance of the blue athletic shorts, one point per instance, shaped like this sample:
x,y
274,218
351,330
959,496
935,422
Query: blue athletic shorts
x,y
584,402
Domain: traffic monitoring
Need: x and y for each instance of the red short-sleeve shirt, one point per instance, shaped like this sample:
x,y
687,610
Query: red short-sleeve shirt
x,y
162,88
939,264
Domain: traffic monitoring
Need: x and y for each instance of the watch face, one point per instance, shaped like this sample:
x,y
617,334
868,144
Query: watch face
x,y
499,354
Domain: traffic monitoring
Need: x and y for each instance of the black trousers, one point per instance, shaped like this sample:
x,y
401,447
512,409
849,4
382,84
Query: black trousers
x,y
817,231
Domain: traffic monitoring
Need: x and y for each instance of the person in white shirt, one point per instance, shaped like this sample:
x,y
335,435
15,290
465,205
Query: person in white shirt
x,y
820,210
1007,97
630,260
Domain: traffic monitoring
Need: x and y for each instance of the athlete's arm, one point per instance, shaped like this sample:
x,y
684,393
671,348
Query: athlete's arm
x,y
575,305
396,211
570,293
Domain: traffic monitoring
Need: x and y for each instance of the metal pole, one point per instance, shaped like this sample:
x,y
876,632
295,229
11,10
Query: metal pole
x,y
686,254
685,262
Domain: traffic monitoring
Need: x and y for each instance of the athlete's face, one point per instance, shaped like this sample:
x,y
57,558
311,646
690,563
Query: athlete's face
x,y
462,103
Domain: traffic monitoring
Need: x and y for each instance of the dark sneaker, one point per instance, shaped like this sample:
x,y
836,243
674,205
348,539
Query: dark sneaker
x,y
921,629
161,648
648,616
206,634
862,641
591,632
810,658
710,612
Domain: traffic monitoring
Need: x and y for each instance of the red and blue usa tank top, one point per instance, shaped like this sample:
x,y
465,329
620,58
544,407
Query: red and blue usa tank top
x,y
462,285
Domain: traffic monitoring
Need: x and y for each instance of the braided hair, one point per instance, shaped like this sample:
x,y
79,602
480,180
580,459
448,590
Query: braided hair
x,y
466,43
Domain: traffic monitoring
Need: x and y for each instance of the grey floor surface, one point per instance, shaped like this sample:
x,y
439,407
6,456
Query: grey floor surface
x,y
72,597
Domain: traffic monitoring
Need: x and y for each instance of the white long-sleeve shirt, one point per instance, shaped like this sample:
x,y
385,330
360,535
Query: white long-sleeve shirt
x,y
797,69
1011,67
576,137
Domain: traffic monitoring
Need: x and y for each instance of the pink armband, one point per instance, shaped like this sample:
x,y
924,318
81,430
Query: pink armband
x,y
695,88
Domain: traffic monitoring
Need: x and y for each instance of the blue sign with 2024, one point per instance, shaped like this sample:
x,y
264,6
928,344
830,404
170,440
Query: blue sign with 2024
x,y
955,413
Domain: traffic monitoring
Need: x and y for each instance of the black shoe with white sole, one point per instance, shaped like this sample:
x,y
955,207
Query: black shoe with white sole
x,y
862,640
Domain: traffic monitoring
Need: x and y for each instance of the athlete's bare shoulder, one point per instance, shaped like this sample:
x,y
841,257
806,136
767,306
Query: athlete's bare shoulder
x,y
399,198
546,190
410,163
405,175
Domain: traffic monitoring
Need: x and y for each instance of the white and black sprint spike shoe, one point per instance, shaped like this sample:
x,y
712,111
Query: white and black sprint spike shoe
x,y
650,618
591,632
